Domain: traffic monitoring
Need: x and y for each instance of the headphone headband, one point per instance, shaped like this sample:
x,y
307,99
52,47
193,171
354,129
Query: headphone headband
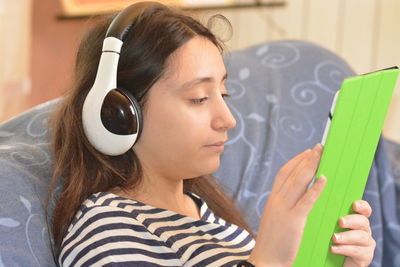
x,y
122,23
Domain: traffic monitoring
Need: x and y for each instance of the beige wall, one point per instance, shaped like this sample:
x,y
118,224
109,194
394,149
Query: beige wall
x,y
15,82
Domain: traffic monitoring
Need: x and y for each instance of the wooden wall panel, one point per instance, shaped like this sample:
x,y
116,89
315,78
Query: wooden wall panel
x,y
322,19
388,34
388,54
15,80
252,27
290,20
391,129
355,39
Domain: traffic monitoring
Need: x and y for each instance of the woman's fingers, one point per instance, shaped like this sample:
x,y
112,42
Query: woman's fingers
x,y
355,222
353,237
306,202
362,256
357,244
286,169
296,185
362,207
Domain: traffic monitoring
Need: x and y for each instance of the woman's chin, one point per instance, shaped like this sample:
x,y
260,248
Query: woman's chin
x,y
206,168
212,166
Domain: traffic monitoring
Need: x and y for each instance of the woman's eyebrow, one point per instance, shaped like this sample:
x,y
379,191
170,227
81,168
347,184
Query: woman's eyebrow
x,y
190,84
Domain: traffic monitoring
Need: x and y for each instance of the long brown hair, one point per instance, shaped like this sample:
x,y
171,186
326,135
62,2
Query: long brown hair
x,y
155,35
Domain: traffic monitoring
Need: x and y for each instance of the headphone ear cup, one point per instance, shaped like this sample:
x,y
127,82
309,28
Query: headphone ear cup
x,y
121,113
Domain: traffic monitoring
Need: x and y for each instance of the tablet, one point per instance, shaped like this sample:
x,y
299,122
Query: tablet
x,y
350,140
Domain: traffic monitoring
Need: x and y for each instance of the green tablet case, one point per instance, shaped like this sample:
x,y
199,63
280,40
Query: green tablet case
x,y
358,113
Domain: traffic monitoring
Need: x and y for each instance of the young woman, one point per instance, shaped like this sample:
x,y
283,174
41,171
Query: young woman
x,y
157,204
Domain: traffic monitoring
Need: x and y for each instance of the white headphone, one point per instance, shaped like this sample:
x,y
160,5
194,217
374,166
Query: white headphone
x,y
111,116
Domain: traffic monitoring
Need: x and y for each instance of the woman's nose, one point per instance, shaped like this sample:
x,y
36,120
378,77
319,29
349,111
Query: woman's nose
x,y
223,118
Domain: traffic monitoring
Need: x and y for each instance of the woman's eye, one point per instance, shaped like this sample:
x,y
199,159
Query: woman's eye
x,y
225,95
199,100
203,99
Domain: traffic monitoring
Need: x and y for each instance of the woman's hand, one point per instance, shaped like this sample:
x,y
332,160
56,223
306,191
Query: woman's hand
x,y
285,214
357,244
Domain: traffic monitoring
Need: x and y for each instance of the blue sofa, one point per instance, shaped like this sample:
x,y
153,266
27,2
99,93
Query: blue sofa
x,y
281,95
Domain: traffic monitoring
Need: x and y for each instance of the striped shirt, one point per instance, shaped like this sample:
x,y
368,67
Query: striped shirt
x,y
109,230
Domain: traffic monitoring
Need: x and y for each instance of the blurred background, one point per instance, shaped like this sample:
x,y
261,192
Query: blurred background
x,y
40,38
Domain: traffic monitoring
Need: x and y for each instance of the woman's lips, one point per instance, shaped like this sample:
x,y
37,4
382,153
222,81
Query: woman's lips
x,y
217,147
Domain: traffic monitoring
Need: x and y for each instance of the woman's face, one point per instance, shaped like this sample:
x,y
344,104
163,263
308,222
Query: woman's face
x,y
185,114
